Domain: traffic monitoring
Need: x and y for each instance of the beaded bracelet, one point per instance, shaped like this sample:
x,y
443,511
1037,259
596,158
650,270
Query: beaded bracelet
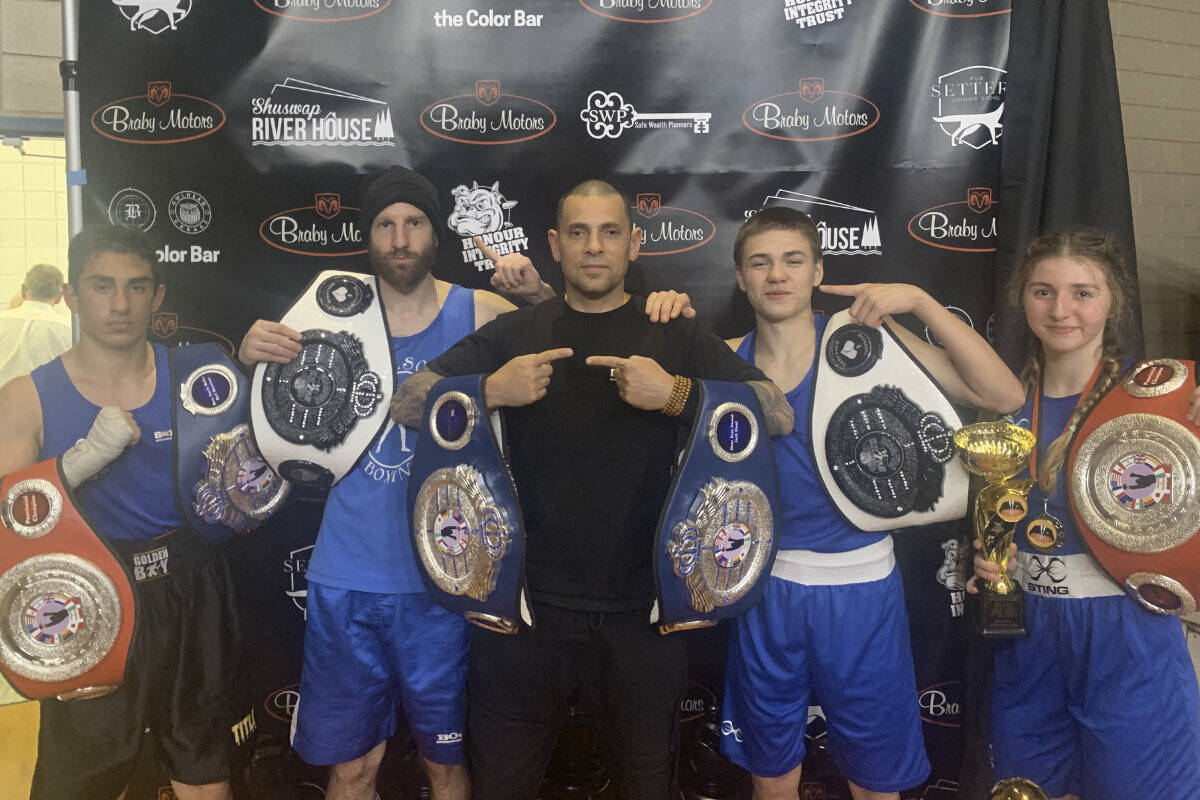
x,y
679,396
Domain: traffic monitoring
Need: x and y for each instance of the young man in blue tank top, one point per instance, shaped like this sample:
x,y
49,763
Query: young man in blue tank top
x,y
374,639
832,621
87,748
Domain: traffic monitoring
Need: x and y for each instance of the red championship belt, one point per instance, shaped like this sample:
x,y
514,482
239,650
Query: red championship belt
x,y
66,604
1135,485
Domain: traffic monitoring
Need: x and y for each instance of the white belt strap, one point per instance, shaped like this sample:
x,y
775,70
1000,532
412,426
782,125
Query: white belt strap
x,y
862,565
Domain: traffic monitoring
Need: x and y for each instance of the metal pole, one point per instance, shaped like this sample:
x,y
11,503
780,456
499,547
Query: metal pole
x,y
68,68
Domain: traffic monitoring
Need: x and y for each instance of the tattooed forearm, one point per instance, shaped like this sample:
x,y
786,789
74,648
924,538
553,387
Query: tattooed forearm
x,y
777,410
408,403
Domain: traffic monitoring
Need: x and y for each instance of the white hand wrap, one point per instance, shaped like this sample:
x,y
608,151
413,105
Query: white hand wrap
x,y
110,434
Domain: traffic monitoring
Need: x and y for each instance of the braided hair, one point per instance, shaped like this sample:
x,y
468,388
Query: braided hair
x,y
1102,251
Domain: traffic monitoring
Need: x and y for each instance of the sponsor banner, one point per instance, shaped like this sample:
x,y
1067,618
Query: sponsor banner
x,y
667,230
488,117
326,228
941,704
281,703
154,16
964,9
485,212
696,702
646,11
964,226
295,572
132,208
490,18
189,212
298,113
952,574
323,10
811,113
160,116
166,329
969,105
846,230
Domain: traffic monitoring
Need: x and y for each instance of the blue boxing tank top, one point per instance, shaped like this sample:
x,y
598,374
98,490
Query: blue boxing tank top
x,y
809,518
134,498
364,543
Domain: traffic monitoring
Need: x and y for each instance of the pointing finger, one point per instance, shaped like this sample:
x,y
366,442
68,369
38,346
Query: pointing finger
x,y
606,361
843,289
486,249
554,355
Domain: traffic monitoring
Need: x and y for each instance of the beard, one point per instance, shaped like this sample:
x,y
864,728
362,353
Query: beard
x,y
404,278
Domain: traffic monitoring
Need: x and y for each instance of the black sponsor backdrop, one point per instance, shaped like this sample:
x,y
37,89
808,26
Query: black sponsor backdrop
x,y
850,138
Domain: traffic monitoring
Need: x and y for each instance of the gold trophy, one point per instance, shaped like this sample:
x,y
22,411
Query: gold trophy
x,y
1018,789
998,451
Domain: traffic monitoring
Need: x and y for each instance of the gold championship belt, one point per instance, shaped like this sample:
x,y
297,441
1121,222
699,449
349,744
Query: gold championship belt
x,y
1134,471
998,451
66,603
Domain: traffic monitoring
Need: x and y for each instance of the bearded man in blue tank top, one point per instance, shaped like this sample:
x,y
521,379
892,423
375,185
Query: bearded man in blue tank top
x,y
374,640
181,678
832,621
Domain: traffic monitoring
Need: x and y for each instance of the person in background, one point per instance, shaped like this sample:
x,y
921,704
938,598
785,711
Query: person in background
x,y
32,333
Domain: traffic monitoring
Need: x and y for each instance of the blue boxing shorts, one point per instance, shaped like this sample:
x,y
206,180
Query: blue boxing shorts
x,y
1100,701
366,654
849,644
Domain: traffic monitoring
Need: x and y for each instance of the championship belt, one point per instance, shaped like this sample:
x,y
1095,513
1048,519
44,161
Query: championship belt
x,y
66,602
882,431
467,530
716,539
222,483
1135,469
314,416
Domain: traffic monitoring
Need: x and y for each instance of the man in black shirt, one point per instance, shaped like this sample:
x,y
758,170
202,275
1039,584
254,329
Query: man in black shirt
x,y
596,401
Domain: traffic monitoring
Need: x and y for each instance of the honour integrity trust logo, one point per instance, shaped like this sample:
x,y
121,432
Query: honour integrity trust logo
x,y
488,117
964,9
160,116
846,230
323,10
325,228
154,16
297,113
811,13
667,230
606,115
485,212
811,113
969,105
964,226
646,10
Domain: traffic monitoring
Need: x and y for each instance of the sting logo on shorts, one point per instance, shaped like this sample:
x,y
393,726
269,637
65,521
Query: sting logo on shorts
x,y
1139,480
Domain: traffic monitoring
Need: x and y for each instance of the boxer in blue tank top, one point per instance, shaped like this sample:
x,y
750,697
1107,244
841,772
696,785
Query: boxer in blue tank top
x,y
1100,700
374,640
832,620
187,702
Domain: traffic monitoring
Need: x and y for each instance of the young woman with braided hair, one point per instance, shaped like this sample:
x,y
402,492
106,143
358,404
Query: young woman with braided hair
x,y
1100,701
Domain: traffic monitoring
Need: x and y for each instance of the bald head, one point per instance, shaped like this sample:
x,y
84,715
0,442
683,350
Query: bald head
x,y
592,188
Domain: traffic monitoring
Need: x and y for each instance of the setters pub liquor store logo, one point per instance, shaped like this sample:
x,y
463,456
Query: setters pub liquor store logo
x,y
162,115
490,116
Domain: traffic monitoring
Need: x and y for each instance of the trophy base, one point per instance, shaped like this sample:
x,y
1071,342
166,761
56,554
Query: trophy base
x,y
1002,615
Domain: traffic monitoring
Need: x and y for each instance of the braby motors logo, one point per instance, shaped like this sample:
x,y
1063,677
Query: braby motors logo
x,y
488,117
323,10
667,230
969,105
965,226
485,212
160,116
964,9
941,704
326,228
646,10
846,230
154,16
281,703
811,13
811,113
606,115
166,328
297,113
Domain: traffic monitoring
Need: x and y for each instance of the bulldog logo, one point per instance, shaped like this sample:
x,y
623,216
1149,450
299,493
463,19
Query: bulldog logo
x,y
158,92
165,324
649,204
487,92
328,204
812,89
979,199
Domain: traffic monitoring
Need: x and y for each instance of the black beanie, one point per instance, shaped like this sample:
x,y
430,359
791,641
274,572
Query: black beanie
x,y
397,185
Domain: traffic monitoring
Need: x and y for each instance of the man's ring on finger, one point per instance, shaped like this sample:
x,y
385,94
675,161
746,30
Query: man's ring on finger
x,y
612,373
